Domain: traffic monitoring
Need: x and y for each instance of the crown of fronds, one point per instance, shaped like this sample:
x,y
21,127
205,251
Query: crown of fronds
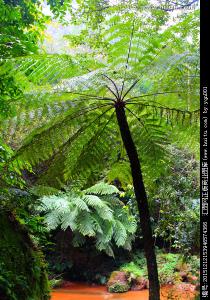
x,y
67,113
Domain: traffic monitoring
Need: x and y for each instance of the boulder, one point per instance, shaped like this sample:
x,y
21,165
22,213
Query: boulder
x,y
118,282
184,276
139,284
192,279
185,287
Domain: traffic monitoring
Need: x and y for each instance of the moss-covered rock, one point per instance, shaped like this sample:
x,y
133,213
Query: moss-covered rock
x,y
139,284
192,279
22,268
56,283
118,282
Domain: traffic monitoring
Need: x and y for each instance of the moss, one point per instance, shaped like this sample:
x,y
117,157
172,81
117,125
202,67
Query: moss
x,y
118,287
56,283
118,282
22,268
133,269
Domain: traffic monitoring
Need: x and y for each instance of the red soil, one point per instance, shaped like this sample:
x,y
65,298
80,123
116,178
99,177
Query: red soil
x,y
77,291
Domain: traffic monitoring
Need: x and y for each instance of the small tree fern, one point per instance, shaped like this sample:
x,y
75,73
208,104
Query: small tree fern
x,y
95,212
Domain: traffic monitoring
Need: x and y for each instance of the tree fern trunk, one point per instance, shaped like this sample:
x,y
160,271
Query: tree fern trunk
x,y
142,202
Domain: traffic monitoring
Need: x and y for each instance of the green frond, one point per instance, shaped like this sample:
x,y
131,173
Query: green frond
x,y
93,201
52,221
44,69
120,234
97,224
69,219
50,203
85,225
79,202
88,215
108,231
120,171
128,244
41,190
105,212
102,188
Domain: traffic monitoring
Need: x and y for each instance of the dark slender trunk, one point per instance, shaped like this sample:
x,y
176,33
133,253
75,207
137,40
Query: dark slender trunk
x,y
142,202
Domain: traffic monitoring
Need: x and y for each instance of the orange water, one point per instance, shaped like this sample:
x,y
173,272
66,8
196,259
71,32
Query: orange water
x,y
85,292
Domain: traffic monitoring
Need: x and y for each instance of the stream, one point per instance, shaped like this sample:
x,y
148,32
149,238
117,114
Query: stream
x,y
76,291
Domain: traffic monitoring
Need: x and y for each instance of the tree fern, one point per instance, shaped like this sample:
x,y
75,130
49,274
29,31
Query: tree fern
x,y
57,133
89,215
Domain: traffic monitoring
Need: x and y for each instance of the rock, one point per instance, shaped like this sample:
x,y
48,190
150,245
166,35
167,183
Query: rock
x,y
186,287
118,282
56,283
139,284
183,276
192,279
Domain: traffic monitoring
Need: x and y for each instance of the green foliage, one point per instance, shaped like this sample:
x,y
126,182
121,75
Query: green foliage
x,y
175,188
167,268
102,188
10,92
9,282
170,266
22,204
21,25
22,270
41,190
120,172
67,115
9,176
179,192
95,212
133,269
137,265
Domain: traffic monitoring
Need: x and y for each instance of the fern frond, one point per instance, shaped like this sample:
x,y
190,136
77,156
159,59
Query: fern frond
x,y
120,234
79,202
93,201
43,69
85,225
41,190
102,188
88,215
69,219
120,171
106,213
